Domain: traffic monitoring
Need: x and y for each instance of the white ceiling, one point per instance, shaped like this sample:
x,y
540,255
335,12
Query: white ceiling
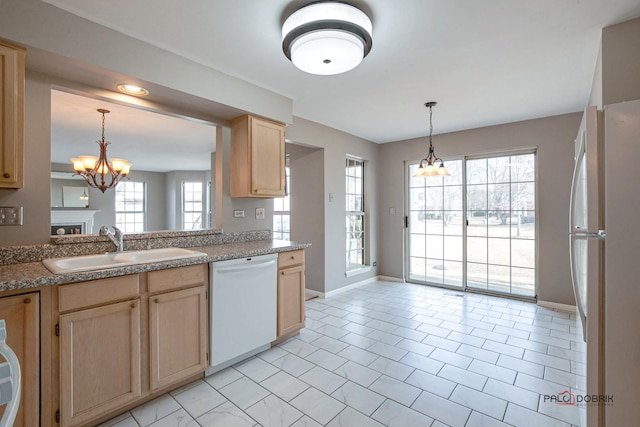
x,y
485,62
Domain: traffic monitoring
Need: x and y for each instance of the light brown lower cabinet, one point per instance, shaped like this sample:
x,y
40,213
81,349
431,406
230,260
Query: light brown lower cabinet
x,y
291,313
21,314
126,338
99,361
177,335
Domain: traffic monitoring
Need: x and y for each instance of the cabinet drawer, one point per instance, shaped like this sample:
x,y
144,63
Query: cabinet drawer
x,y
96,292
285,259
177,278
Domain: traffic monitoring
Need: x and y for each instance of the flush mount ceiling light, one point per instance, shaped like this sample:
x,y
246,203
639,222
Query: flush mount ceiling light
x,y
94,169
327,37
133,90
427,167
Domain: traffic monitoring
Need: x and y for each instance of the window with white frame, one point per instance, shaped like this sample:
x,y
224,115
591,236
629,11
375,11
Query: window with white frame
x,y
281,210
192,204
355,214
130,206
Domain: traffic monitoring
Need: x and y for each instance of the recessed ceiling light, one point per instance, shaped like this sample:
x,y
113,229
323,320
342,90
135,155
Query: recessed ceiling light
x,y
133,90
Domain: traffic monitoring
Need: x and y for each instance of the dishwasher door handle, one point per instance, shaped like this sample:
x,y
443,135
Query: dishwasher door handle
x,y
244,267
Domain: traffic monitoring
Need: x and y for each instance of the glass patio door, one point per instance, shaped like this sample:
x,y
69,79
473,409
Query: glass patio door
x,y
435,227
501,231
476,228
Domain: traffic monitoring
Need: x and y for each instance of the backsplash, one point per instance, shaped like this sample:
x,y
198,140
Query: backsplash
x,y
90,244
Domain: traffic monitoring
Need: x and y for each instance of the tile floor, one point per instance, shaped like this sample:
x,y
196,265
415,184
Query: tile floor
x,y
391,354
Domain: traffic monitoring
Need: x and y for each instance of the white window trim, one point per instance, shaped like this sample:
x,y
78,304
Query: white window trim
x,y
365,267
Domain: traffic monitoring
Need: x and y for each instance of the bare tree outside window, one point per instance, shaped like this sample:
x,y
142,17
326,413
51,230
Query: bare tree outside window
x,y
355,214
491,244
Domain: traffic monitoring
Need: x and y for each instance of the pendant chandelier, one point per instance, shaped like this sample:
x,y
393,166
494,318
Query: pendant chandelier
x,y
100,172
427,167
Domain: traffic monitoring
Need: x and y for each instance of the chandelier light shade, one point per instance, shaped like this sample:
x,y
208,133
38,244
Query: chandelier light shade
x,y
327,37
427,165
100,172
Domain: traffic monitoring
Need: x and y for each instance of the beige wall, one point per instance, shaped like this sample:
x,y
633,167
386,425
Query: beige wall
x,y
63,44
307,209
554,139
35,196
336,146
617,70
621,62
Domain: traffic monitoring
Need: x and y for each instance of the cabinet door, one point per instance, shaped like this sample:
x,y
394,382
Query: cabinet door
x,y
11,116
20,313
290,300
99,361
178,335
267,158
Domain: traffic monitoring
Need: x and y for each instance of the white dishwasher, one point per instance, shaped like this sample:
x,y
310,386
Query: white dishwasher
x,y
243,302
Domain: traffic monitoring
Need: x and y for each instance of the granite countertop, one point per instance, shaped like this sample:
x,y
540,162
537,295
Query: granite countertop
x,y
35,274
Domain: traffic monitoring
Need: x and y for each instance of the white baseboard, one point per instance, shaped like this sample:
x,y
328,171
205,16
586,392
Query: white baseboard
x,y
391,279
557,306
314,293
353,286
342,289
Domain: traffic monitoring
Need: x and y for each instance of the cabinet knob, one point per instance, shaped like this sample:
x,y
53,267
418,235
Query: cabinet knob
x,y
133,305
292,257
282,272
156,300
27,300
6,175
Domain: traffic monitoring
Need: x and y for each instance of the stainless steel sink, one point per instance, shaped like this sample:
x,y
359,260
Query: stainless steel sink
x,y
116,259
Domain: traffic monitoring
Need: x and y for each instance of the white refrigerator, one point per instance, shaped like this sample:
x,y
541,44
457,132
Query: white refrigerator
x,y
605,260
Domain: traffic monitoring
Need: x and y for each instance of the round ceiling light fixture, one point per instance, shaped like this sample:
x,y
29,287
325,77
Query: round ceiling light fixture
x,y
327,37
133,90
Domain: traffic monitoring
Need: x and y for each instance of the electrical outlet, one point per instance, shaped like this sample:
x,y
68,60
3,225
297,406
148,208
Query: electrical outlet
x,y
238,214
259,213
11,215
374,263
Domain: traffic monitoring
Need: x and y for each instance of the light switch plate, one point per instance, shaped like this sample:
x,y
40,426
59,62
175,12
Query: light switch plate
x,y
259,213
11,215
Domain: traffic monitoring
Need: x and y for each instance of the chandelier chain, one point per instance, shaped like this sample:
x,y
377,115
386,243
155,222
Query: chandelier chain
x,y
430,125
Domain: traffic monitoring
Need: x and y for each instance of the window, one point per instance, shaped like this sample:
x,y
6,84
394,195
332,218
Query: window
x,y
281,208
192,205
355,214
130,206
475,229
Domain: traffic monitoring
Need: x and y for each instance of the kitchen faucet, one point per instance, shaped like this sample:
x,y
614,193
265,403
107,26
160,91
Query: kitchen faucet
x,y
115,236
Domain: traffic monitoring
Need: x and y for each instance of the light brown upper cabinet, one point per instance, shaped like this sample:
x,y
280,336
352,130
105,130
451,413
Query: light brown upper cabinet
x,y
257,158
11,116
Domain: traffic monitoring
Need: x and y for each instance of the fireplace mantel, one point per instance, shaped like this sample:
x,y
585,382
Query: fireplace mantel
x,y
84,217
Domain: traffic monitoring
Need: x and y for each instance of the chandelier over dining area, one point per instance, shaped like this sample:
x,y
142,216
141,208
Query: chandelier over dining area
x,y
427,165
100,172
